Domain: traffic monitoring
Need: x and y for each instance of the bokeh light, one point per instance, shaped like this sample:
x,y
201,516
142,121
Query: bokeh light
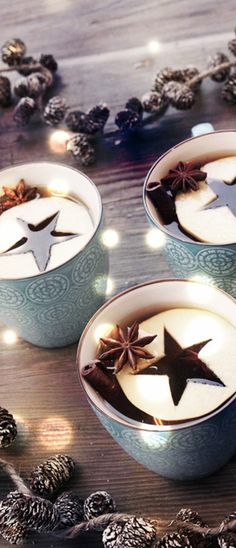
x,y
153,46
110,286
9,336
110,237
155,239
58,140
58,188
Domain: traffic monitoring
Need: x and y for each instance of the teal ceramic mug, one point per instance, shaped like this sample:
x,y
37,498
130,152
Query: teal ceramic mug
x,y
214,263
51,308
188,450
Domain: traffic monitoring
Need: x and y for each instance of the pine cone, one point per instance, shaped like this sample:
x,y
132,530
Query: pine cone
x,y
227,539
49,62
154,102
232,46
135,104
133,533
29,60
189,73
14,532
75,121
8,428
81,149
5,92
71,508
48,477
176,540
97,504
179,95
189,515
229,89
128,120
23,111
216,60
13,51
54,111
30,86
166,75
98,117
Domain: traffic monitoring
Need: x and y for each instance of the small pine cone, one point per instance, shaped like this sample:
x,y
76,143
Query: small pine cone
x,y
49,62
133,533
189,515
13,51
31,86
189,73
8,428
98,503
175,540
48,477
14,532
54,111
227,539
179,95
232,46
28,60
71,508
75,121
216,60
135,104
166,75
23,111
81,149
98,117
154,102
5,91
128,120
229,89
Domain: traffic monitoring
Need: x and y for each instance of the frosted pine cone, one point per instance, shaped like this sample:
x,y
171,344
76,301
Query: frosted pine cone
x,y
189,515
30,86
98,117
98,503
71,508
179,95
128,120
134,104
81,149
216,60
13,51
133,533
48,477
154,102
8,428
166,75
229,89
175,540
55,110
23,111
5,92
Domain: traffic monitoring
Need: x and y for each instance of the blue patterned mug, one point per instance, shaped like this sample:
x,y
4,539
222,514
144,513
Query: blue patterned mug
x,y
180,451
51,308
214,263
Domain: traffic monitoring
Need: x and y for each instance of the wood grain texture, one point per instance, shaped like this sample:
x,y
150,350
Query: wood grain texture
x,y
102,52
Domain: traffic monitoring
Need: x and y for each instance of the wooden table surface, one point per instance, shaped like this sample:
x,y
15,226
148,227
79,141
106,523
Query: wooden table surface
x,y
103,55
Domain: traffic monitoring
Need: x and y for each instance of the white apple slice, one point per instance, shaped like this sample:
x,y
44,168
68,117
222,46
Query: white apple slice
x,y
224,168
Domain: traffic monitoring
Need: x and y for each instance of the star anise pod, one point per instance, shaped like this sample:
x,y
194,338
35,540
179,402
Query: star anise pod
x,y
185,176
15,196
124,346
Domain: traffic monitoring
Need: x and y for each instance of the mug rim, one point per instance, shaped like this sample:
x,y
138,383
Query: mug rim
x,y
60,164
147,210
119,417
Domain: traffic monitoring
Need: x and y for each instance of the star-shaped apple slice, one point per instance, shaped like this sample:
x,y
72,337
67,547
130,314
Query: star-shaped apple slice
x,y
182,365
39,239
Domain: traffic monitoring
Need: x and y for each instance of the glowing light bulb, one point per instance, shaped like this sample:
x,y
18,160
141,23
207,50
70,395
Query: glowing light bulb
x,y
153,46
102,330
110,237
155,239
58,140
9,336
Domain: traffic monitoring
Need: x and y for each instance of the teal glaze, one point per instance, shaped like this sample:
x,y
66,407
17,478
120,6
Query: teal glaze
x,y
52,309
184,454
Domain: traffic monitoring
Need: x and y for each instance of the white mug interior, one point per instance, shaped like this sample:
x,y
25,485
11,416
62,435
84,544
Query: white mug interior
x,y
139,303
